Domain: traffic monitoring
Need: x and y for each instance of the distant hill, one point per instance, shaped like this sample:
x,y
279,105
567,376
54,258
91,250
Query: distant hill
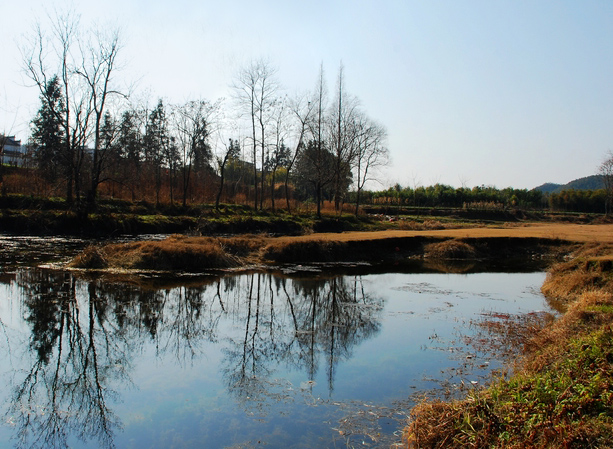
x,y
588,183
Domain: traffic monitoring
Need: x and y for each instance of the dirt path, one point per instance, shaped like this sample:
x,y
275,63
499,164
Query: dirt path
x,y
571,232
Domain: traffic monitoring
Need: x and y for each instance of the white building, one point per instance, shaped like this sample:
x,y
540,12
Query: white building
x,y
12,152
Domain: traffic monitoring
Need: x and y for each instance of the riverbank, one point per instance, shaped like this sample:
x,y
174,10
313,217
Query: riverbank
x,y
24,215
561,392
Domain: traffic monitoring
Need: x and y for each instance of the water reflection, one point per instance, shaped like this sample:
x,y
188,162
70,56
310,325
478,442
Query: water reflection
x,y
78,355
86,334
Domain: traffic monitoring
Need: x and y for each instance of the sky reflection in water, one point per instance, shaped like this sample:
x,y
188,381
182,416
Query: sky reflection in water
x,y
238,361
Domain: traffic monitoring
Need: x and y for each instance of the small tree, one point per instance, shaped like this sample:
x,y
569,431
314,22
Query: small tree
x,y
606,171
193,124
130,144
370,153
232,152
156,142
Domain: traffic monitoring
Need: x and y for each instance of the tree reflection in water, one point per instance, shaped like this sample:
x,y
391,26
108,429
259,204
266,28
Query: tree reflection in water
x,y
87,333
78,353
297,323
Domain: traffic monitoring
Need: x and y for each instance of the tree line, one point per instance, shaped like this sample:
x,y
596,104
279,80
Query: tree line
x,y
260,147
489,198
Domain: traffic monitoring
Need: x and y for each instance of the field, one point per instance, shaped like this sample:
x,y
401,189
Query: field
x,y
562,231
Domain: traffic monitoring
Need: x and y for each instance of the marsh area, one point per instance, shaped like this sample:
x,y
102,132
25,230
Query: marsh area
x,y
307,357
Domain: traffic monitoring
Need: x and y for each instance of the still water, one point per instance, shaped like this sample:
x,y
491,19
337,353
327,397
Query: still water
x,y
241,360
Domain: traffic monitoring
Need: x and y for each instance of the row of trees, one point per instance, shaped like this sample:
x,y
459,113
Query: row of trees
x,y
441,195
491,198
87,132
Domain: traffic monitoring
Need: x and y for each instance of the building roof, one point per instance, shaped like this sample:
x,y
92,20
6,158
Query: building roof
x,y
9,141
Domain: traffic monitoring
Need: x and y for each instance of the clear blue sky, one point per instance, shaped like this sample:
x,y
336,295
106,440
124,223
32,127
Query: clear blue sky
x,y
505,93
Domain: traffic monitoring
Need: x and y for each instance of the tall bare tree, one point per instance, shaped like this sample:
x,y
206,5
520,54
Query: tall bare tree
x,y
255,88
342,136
84,65
49,54
318,157
99,61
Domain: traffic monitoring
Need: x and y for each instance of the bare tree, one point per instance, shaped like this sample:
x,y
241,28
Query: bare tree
x,y
97,67
280,154
606,171
194,123
370,153
245,87
232,151
302,109
342,135
255,88
45,56
85,78
318,159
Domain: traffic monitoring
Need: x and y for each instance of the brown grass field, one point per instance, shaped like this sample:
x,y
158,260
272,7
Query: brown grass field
x,y
571,232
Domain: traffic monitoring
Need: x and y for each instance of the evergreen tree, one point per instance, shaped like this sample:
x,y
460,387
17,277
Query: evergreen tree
x,y
157,144
48,136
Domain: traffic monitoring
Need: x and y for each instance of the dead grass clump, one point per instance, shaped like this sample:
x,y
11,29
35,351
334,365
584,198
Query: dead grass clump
x,y
92,257
450,249
432,425
184,256
590,269
193,254
242,246
306,251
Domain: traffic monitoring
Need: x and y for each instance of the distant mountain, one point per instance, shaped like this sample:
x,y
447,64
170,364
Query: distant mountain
x,y
548,187
588,183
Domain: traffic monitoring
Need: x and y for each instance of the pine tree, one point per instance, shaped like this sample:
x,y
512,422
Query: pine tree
x,y
48,136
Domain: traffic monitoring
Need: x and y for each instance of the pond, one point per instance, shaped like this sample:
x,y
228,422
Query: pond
x,y
242,360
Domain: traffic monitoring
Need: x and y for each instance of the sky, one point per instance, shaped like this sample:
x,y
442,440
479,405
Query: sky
x,y
504,93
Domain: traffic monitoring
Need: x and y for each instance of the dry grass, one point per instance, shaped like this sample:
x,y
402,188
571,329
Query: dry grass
x,y
602,233
426,225
450,249
589,269
194,254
